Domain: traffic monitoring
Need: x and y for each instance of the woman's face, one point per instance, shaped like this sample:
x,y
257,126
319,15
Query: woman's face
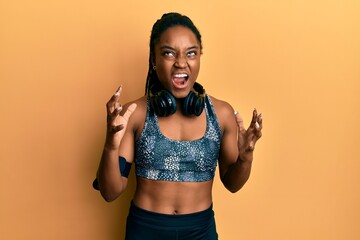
x,y
177,60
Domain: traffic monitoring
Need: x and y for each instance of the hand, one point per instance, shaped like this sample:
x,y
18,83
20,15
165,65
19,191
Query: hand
x,y
116,123
248,138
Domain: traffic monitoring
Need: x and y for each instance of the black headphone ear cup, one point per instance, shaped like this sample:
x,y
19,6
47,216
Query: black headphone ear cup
x,y
169,102
199,105
193,103
163,103
187,105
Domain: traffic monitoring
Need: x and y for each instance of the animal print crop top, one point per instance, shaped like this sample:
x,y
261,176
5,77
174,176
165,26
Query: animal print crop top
x,y
160,158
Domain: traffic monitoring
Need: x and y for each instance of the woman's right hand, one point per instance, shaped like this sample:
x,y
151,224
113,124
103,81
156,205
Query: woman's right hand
x,y
116,123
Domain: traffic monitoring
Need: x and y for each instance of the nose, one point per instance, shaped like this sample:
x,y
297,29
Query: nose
x,y
181,61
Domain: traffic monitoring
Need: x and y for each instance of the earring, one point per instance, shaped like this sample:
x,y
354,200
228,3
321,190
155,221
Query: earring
x,y
154,67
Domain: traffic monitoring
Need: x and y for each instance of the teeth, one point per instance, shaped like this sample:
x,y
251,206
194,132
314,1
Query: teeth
x,y
181,75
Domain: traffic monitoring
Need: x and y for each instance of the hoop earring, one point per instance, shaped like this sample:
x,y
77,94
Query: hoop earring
x,y
154,67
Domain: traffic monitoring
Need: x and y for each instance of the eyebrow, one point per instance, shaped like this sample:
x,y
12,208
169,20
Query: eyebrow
x,y
171,48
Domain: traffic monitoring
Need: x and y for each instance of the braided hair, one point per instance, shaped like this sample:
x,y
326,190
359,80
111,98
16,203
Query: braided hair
x,y
161,25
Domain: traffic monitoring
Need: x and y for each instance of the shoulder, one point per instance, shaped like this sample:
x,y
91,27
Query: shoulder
x,y
224,112
139,115
140,102
222,108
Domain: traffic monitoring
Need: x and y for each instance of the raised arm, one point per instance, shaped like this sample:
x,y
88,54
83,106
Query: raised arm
x,y
236,154
111,183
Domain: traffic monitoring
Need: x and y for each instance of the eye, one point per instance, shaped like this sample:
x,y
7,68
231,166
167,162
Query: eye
x,y
169,53
192,54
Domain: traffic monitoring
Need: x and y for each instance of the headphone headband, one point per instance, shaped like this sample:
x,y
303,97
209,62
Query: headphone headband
x,y
199,89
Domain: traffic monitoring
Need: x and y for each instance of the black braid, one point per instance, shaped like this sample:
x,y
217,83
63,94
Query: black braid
x,y
161,25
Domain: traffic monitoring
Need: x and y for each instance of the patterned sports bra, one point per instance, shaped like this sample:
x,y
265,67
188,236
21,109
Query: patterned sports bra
x,y
160,158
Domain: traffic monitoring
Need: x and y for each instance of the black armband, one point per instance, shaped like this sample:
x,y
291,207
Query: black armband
x,y
125,168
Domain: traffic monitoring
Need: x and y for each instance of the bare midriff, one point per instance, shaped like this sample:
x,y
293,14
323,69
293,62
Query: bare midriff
x,y
173,197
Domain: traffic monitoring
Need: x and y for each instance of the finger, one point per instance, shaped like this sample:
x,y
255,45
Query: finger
x,y
117,97
256,135
251,147
239,121
258,122
254,117
129,111
113,115
117,128
113,102
251,140
260,118
258,126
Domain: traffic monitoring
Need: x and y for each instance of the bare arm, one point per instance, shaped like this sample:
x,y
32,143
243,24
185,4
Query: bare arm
x,y
111,183
236,154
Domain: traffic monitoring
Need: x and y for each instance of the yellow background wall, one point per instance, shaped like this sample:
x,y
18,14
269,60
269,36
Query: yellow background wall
x,y
297,61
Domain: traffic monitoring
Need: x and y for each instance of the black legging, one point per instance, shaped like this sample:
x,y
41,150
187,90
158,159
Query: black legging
x,y
146,225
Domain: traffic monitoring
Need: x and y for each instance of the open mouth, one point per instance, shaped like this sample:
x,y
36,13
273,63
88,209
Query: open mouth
x,y
180,80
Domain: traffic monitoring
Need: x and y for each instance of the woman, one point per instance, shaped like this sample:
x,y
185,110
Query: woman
x,y
175,134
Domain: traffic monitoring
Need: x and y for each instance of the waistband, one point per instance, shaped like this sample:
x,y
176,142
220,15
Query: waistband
x,y
178,221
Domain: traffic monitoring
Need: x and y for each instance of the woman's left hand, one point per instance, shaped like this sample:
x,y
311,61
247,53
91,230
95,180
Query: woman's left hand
x,y
247,138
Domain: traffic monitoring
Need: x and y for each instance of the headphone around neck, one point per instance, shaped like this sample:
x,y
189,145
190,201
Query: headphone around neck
x,y
164,103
